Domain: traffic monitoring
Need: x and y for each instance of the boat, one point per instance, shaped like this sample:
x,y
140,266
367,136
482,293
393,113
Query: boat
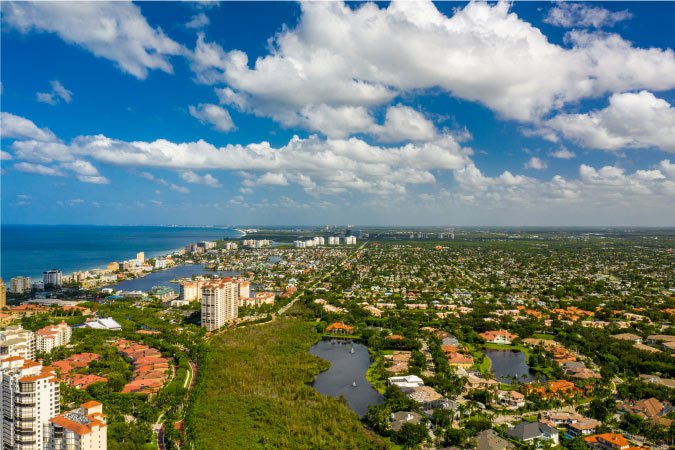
x,y
352,350
353,383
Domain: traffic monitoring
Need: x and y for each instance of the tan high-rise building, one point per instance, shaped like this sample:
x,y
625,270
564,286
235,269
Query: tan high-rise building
x,y
83,428
140,256
191,291
3,294
220,303
19,285
113,266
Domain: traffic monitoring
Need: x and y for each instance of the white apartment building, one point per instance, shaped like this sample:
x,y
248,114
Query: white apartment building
x,y
83,428
52,336
333,240
52,277
350,240
220,303
191,291
30,397
19,285
17,342
231,246
299,244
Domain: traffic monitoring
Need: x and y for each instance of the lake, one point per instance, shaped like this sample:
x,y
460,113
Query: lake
x,y
346,368
510,363
164,277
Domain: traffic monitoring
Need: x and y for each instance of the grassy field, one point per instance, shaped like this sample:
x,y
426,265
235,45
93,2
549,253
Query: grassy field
x,y
548,337
251,393
379,385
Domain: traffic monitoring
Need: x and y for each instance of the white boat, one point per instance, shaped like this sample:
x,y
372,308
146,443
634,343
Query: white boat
x,y
353,383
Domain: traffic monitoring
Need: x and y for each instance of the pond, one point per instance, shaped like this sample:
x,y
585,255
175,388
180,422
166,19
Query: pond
x,y
164,277
346,369
510,363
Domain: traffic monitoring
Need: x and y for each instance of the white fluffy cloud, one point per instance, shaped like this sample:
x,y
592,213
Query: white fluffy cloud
x,y
198,21
38,169
206,179
113,30
482,53
214,115
563,153
632,120
315,164
536,163
21,128
58,93
594,189
567,14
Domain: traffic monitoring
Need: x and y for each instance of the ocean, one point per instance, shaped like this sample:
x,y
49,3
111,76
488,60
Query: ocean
x,y
28,250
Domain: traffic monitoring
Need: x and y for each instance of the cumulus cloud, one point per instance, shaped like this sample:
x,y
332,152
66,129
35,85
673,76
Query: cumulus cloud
x,y
594,189
536,163
20,128
206,179
113,30
563,153
568,15
482,53
214,115
181,189
58,93
632,120
5,156
315,164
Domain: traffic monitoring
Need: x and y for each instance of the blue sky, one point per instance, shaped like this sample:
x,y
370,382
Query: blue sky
x,y
409,113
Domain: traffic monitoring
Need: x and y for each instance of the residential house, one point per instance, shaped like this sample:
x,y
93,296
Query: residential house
x,y
533,432
498,337
401,417
490,440
339,328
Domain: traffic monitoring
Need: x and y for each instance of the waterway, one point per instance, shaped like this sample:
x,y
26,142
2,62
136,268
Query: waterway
x,y
346,368
28,250
164,277
509,363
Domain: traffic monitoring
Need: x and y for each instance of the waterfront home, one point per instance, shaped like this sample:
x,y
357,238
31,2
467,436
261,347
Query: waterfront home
x,y
502,337
405,381
339,328
459,360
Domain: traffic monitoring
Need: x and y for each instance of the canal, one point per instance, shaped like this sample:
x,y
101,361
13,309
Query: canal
x,y
346,369
164,277
507,364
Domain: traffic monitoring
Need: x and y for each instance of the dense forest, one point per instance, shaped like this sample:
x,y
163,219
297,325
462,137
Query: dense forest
x,y
251,393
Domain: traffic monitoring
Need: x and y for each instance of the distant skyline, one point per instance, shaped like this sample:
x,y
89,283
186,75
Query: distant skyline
x,y
402,113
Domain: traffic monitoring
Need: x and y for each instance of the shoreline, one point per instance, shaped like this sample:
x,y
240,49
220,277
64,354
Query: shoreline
x,y
155,254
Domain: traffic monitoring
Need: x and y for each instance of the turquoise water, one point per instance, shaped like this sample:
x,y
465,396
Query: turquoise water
x,y
28,250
